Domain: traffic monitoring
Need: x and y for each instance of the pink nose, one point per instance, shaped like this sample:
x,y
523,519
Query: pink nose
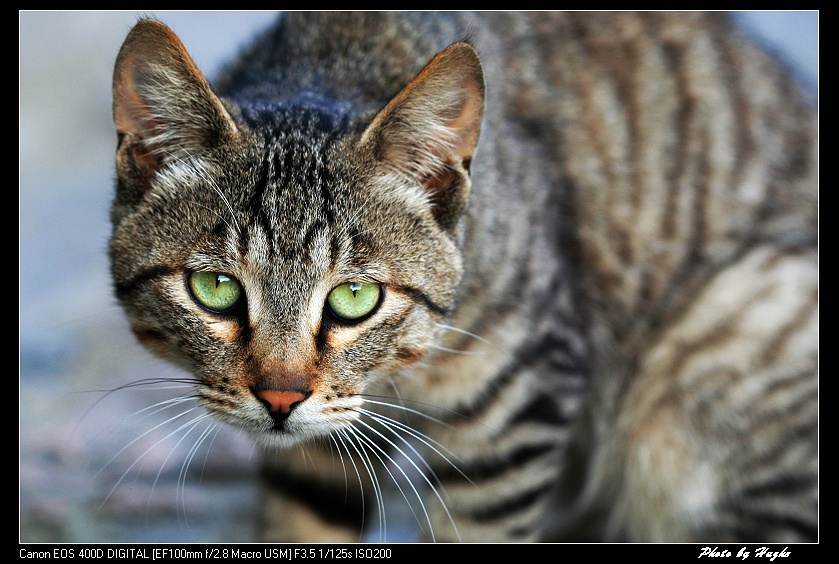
x,y
280,402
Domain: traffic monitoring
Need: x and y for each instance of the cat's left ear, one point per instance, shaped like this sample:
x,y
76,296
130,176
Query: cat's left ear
x,y
428,132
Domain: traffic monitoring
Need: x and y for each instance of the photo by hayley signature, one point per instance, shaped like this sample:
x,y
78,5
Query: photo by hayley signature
x,y
744,552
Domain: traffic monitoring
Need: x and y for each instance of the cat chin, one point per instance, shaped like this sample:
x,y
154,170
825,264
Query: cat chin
x,y
295,433
277,440
280,440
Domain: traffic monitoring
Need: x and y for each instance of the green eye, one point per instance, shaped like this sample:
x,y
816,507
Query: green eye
x,y
354,300
216,291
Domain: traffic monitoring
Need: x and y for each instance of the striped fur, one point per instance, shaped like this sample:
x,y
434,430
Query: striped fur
x,y
595,239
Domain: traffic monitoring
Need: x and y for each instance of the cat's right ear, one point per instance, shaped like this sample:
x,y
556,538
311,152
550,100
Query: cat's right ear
x,y
429,131
163,107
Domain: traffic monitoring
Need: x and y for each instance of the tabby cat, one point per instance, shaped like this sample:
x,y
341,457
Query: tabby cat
x,y
553,274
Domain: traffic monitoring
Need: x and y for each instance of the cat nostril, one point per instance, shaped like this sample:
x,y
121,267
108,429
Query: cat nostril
x,y
280,403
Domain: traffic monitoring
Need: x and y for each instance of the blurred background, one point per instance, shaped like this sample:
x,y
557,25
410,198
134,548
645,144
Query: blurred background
x,y
97,466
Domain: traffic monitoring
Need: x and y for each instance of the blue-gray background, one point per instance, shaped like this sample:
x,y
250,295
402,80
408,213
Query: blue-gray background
x,y
87,471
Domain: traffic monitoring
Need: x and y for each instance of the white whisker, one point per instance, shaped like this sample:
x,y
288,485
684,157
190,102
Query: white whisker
x,y
401,471
343,466
189,425
463,332
395,426
393,478
163,405
139,458
455,351
409,410
188,460
217,428
421,473
349,433
140,437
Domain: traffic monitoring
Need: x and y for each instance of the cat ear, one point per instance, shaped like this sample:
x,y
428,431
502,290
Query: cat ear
x,y
428,132
163,105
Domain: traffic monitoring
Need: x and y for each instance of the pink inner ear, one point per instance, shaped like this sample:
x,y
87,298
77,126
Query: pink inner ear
x,y
163,105
131,113
133,118
435,120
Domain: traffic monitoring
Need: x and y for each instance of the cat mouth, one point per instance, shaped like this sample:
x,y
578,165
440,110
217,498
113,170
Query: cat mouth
x,y
282,433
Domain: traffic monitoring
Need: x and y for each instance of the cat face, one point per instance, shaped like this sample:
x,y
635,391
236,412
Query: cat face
x,y
313,283
288,266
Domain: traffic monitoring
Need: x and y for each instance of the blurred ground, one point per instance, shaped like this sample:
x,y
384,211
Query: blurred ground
x,y
88,470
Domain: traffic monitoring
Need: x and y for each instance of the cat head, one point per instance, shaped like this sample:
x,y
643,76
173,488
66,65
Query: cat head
x,y
288,254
